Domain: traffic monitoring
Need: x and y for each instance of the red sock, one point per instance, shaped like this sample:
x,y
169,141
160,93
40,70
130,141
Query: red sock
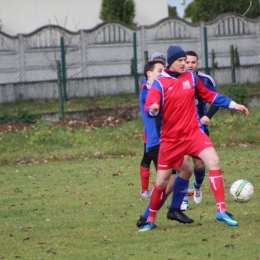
x,y
217,186
144,175
157,197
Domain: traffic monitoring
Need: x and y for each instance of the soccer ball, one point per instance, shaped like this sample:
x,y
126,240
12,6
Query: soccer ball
x,y
241,190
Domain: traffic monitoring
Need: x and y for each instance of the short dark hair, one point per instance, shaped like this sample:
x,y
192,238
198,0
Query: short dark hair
x,y
192,53
149,66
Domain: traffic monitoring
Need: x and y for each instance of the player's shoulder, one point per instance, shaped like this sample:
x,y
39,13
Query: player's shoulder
x,y
145,87
143,80
188,73
207,78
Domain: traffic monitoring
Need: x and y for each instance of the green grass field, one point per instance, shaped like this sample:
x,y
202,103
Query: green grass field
x,y
74,194
88,210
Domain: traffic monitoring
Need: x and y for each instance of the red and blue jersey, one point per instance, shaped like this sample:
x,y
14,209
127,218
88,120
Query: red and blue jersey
x,y
176,98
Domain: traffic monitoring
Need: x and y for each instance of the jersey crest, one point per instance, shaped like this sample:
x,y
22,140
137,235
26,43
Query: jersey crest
x,y
186,85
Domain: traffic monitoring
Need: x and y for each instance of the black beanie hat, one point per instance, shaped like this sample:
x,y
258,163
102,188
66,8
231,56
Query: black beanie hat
x,y
174,53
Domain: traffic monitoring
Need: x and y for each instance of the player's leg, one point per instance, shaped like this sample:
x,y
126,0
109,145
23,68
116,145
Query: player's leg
x,y
143,218
211,159
157,197
153,155
199,173
180,189
190,192
170,153
145,174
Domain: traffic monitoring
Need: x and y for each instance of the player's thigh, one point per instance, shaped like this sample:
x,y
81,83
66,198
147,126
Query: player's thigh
x,y
146,160
210,158
171,155
153,154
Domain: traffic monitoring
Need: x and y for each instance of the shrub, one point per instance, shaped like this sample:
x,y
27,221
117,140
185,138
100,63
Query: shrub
x,y
239,94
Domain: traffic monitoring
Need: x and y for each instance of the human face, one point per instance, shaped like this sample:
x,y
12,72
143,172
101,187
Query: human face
x,y
178,65
191,63
152,75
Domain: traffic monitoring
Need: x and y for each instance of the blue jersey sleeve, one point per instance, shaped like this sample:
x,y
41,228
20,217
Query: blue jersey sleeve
x,y
221,101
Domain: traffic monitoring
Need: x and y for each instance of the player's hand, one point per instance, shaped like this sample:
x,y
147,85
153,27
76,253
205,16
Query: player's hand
x,y
154,108
242,108
205,120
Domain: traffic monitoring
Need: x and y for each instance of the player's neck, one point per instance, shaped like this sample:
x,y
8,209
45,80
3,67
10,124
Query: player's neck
x,y
150,81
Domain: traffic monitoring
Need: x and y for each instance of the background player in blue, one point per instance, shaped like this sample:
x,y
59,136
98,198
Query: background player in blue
x,y
204,116
154,70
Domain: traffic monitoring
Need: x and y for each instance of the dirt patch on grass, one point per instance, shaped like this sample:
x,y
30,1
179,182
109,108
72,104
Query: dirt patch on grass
x,y
94,120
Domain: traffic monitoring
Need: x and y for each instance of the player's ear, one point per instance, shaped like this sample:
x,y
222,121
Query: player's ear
x,y
149,73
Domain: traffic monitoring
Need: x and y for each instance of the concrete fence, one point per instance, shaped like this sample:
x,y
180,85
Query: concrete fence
x,y
99,61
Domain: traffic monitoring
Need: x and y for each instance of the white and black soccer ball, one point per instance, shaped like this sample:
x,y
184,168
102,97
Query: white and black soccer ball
x,y
241,190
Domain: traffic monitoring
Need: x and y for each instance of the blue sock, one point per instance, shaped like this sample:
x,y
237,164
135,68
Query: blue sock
x,y
146,212
185,199
180,189
199,177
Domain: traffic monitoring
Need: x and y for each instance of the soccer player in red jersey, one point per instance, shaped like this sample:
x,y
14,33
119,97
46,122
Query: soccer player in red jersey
x,y
172,94
152,126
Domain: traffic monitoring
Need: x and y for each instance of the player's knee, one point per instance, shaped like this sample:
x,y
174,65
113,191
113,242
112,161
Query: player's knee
x,y
161,183
163,178
213,162
199,167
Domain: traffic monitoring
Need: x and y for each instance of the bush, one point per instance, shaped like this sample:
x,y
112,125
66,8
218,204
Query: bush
x,y
21,117
239,94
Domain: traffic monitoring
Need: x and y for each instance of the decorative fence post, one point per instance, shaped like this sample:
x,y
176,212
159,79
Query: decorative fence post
x,y
63,68
135,64
207,70
232,59
60,89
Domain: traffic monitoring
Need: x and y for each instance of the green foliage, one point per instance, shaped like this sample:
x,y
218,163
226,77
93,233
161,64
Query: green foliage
x,y
118,10
204,10
22,117
251,88
189,10
238,94
172,12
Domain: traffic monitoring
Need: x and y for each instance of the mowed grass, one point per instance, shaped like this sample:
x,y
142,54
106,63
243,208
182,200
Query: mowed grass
x,y
74,194
88,210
